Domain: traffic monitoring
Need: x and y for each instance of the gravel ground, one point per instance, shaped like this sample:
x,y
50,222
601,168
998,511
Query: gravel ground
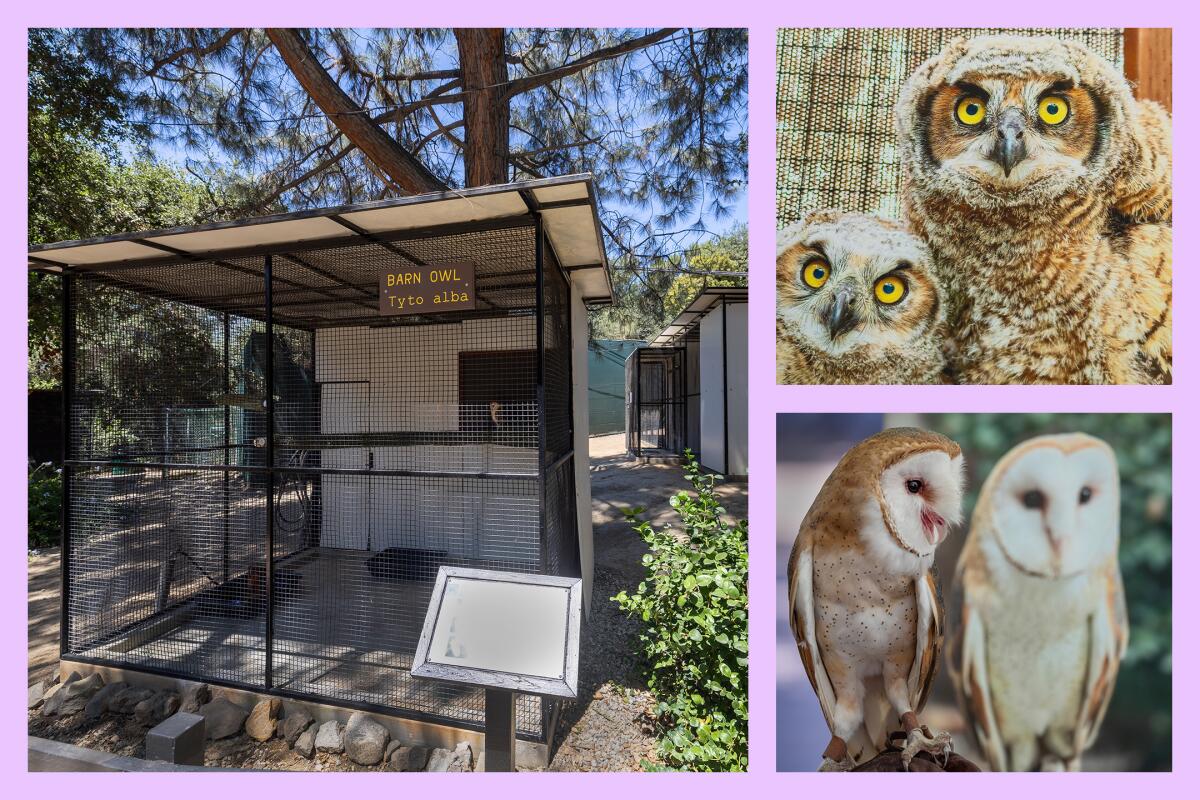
x,y
610,728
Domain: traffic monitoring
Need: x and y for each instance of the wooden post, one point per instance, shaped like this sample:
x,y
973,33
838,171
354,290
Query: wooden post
x,y
1148,63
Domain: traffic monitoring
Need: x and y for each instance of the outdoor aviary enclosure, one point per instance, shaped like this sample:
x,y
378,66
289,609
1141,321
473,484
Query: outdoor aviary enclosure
x,y
278,429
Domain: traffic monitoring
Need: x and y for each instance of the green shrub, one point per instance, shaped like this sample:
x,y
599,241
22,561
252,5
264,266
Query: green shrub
x,y
45,505
693,604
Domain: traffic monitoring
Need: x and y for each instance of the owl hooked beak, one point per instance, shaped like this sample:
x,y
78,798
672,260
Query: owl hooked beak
x,y
840,316
933,524
1009,149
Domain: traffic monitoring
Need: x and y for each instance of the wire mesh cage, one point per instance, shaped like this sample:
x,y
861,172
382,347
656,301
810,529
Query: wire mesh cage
x,y
264,474
836,90
656,402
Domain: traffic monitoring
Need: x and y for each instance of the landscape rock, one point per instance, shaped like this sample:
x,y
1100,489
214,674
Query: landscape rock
x,y
126,700
409,759
222,718
329,737
365,739
462,759
439,760
53,699
306,742
295,722
96,707
156,708
37,692
391,748
193,696
260,725
73,696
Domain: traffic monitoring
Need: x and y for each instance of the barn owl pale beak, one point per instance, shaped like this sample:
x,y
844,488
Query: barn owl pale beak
x,y
934,525
1009,149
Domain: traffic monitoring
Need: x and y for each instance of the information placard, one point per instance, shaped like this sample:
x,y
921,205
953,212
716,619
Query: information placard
x,y
502,630
429,289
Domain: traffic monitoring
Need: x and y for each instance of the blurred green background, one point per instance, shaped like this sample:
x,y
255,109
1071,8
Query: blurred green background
x,y
1136,733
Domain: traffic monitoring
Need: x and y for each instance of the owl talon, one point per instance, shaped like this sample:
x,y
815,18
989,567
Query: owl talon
x,y
939,745
829,765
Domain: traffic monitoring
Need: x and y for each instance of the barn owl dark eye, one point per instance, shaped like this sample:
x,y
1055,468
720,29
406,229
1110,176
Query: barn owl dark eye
x,y
914,486
1034,499
1085,494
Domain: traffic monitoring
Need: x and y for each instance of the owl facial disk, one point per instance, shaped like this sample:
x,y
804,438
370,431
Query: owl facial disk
x,y
922,495
1007,135
1056,513
852,284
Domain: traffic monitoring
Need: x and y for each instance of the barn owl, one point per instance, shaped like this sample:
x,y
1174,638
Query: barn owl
x,y
1043,609
1043,189
856,302
862,595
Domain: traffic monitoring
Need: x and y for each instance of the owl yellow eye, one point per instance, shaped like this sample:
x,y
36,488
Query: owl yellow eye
x,y
890,291
970,111
1053,109
815,274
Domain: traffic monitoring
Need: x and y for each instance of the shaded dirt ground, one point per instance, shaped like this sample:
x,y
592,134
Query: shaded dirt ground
x,y
608,729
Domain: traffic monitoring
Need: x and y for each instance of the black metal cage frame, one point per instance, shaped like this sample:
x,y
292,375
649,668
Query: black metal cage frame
x,y
656,409
242,433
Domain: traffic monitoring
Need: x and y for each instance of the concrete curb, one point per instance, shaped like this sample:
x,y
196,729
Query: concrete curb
x,y
46,755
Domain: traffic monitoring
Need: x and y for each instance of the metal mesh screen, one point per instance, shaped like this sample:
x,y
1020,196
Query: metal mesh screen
x,y
658,401
836,90
211,421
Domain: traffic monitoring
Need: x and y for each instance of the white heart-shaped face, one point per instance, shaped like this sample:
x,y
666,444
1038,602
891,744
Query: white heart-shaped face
x,y
923,497
1058,513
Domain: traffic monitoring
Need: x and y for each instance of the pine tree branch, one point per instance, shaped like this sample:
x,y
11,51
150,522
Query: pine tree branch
x,y
521,85
198,52
400,166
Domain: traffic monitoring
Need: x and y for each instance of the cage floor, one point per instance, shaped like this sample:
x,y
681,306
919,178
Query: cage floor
x,y
340,633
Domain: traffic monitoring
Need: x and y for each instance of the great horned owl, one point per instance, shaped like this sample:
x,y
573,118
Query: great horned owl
x,y
856,302
1043,189
1043,615
862,597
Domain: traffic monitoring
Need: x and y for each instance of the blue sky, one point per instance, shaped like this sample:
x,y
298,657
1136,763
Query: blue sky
x,y
170,153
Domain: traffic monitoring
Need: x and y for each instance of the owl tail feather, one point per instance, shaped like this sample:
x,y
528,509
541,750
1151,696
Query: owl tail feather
x,y
871,738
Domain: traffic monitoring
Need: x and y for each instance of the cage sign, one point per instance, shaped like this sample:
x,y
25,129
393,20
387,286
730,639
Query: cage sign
x,y
429,289
502,630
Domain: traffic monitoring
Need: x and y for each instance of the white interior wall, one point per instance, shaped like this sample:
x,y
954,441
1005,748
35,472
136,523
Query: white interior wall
x,y
405,378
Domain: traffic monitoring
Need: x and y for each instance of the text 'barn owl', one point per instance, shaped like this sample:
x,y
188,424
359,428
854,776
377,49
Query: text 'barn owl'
x,y
856,302
863,597
1043,610
1043,190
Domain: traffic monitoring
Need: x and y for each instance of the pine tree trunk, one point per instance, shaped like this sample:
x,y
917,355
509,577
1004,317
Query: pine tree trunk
x,y
484,70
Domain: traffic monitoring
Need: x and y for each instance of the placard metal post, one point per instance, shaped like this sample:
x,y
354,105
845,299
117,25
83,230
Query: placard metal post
x,y
500,731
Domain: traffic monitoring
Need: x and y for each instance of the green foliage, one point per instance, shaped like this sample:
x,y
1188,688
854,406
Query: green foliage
x,y
80,184
645,301
45,505
694,604
1141,708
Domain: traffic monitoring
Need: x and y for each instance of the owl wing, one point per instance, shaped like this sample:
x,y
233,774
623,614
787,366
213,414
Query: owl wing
x,y
802,615
973,682
1109,637
1143,193
929,640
